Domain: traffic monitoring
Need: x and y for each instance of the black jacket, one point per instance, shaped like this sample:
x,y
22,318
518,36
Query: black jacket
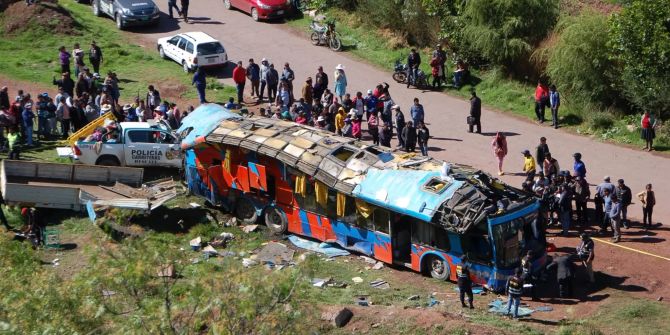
x,y
414,60
565,268
624,195
476,107
67,84
541,152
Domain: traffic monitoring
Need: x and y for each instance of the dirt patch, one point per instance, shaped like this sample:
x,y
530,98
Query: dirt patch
x,y
575,7
44,16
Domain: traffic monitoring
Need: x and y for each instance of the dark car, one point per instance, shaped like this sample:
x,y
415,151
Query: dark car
x,y
128,12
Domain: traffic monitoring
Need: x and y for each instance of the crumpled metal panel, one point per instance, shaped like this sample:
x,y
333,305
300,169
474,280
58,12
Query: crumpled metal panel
x,y
202,121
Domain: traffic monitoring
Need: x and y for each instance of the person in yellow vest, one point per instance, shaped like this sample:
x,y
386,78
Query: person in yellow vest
x,y
514,291
464,281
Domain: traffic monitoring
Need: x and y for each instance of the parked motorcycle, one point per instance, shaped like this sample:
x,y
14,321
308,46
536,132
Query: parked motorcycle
x,y
401,75
325,34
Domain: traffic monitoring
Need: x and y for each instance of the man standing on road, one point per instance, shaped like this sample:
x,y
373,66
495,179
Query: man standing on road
x,y
184,9
554,102
273,81
475,113
607,204
598,199
200,82
416,112
64,58
399,124
625,196
254,75
264,70
413,63
172,4
615,218
582,195
95,57
579,166
288,75
540,153
464,282
586,254
240,78
528,165
320,83
307,92
541,100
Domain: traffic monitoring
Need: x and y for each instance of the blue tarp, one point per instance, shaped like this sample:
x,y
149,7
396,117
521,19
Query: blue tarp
x,y
203,120
475,289
330,250
500,307
403,191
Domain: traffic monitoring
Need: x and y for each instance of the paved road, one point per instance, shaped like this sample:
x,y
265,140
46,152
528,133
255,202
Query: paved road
x,y
244,38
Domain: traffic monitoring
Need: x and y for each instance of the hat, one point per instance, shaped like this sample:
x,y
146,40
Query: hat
x,y
264,60
395,107
105,108
607,179
45,95
369,91
28,106
584,236
352,111
127,107
320,118
339,67
96,75
526,152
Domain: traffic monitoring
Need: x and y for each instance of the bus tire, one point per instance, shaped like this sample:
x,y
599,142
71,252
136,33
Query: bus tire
x,y
438,267
276,220
245,211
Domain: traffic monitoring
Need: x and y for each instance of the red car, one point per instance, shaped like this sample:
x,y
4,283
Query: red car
x,y
261,9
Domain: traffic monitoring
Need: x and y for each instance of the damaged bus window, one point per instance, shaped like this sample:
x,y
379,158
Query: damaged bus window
x,y
507,238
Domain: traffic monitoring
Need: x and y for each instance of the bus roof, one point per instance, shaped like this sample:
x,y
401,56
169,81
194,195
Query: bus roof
x,y
455,196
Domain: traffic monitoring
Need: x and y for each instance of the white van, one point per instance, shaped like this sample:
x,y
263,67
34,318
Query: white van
x,y
194,49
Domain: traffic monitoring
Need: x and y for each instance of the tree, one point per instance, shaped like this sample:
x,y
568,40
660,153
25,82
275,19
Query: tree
x,y
579,62
640,38
503,31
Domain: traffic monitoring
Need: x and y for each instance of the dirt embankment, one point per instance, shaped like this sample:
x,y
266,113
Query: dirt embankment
x,y
46,15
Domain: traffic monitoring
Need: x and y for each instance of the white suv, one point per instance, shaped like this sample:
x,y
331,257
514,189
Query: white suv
x,y
194,49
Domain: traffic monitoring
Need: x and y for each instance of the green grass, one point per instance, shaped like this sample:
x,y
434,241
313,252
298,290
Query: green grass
x,y
33,56
495,89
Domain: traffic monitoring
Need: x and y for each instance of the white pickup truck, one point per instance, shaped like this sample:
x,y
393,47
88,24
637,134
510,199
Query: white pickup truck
x,y
138,144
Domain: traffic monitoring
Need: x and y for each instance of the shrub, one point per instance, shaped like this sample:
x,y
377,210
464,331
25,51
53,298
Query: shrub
x,y
640,38
601,121
504,31
578,62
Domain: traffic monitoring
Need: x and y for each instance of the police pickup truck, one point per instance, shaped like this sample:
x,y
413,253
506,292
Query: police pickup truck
x,y
137,144
127,12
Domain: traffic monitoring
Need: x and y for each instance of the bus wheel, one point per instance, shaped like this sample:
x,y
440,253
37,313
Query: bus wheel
x,y
245,211
439,269
275,220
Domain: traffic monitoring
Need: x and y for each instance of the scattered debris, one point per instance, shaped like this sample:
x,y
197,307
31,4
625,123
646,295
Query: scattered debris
x,y
544,309
339,318
195,243
166,271
362,300
221,240
194,205
329,249
108,293
378,266
231,223
275,253
210,251
250,228
209,217
357,280
380,284
320,282
500,307
660,299
368,260
414,297
475,289
247,262
375,325
432,301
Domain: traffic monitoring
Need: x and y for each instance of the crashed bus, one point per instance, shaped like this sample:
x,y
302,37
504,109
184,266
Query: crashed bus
x,y
399,208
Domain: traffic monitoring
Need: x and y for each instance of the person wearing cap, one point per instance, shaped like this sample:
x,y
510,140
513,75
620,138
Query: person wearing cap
x,y
528,165
413,63
625,196
370,103
288,75
579,167
200,82
320,82
399,125
264,70
130,112
95,56
340,81
28,116
586,254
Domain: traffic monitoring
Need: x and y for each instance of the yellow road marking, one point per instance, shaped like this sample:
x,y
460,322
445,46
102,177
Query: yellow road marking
x,y
631,249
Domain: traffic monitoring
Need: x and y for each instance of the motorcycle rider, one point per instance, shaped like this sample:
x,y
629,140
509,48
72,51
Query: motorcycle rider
x,y
413,63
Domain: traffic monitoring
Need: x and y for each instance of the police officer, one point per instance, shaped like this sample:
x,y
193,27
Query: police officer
x,y
527,272
514,291
464,281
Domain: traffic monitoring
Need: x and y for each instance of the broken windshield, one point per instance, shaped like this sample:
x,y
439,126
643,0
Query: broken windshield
x,y
507,238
